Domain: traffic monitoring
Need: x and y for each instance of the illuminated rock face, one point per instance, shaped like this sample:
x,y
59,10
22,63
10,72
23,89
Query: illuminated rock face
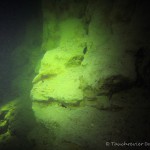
x,y
57,79
83,51
90,54
61,68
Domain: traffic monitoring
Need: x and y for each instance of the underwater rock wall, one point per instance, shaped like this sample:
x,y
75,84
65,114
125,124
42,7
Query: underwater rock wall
x,y
94,55
92,84
90,49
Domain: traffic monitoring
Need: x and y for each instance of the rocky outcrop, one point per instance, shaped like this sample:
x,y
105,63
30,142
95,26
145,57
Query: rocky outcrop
x,y
16,121
88,50
93,53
